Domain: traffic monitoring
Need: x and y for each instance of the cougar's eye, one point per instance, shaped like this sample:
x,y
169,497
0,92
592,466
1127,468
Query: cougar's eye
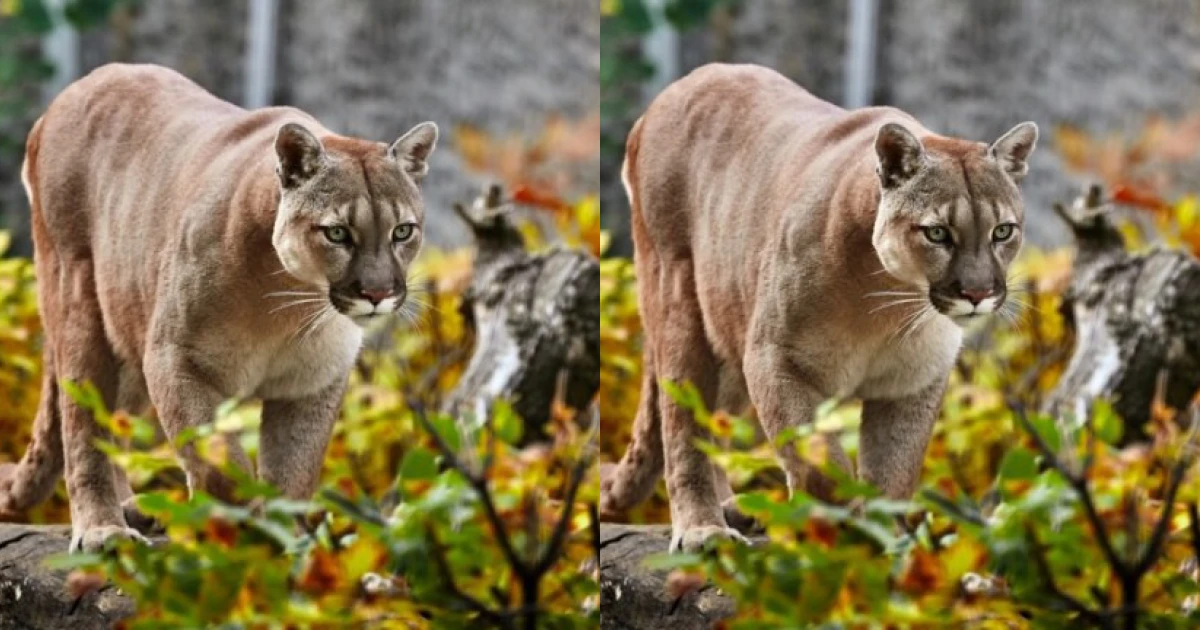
x,y
937,234
1002,233
403,232
336,234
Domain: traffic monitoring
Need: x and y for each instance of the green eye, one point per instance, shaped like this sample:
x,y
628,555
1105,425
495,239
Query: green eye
x,y
1002,232
403,232
336,234
937,234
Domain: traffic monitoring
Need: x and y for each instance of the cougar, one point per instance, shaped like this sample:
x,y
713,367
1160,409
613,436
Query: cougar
x,y
789,251
189,251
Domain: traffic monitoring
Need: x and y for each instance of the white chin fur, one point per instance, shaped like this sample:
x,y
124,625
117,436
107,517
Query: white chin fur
x,y
363,312
962,310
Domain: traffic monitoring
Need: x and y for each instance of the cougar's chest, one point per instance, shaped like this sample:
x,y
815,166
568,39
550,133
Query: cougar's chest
x,y
306,363
905,364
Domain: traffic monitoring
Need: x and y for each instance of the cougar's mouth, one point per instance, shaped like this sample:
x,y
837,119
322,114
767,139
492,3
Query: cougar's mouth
x,y
964,309
363,309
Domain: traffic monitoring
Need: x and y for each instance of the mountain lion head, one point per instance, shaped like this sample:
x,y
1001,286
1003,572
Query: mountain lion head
x,y
350,215
950,216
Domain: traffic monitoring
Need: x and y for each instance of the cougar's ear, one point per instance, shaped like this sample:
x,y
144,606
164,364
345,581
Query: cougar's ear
x,y
1013,149
900,154
413,149
299,152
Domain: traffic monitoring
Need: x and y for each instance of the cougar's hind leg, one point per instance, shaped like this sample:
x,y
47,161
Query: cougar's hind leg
x,y
132,398
682,354
732,398
83,354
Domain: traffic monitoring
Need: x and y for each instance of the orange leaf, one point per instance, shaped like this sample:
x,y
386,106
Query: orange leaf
x,y
821,531
221,532
681,583
322,573
922,574
80,583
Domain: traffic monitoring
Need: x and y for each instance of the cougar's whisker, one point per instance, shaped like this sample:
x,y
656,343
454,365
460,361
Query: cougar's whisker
x,y
296,303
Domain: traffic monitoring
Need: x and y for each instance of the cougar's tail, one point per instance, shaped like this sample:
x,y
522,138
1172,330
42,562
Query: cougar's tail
x,y
31,480
629,482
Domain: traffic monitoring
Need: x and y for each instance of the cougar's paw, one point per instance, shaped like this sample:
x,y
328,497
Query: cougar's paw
x,y
137,520
697,538
95,538
738,520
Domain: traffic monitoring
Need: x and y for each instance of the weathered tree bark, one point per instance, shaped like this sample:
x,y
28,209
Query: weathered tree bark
x,y
1136,320
633,597
536,319
34,597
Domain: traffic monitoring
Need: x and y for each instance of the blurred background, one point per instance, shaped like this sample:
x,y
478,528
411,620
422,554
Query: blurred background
x,y
510,110
1114,85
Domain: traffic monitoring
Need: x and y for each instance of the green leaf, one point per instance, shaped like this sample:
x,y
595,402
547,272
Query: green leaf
x,y
632,18
1047,428
70,561
506,423
669,561
418,464
447,428
87,396
1018,463
356,511
1106,423
687,396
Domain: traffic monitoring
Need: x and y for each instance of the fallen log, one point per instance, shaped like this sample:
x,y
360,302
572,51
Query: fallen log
x,y
633,597
1136,319
536,319
33,597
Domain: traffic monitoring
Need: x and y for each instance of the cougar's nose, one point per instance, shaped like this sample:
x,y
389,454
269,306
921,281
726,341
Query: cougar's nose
x,y
975,296
376,295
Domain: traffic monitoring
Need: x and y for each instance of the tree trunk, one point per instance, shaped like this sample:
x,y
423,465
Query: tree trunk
x,y
537,324
1136,320
34,597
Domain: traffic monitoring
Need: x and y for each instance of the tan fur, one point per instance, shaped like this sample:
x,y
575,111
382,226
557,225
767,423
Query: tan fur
x,y
184,257
784,256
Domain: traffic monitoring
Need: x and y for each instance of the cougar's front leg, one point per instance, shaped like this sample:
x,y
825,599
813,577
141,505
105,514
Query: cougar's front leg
x,y
185,398
893,439
784,398
293,439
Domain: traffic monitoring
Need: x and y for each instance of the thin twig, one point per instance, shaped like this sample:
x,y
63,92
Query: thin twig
x,y
500,618
1079,483
1043,567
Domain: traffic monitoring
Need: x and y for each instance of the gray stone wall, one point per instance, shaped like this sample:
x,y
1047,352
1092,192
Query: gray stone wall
x,y
974,69
374,68
502,65
1102,65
